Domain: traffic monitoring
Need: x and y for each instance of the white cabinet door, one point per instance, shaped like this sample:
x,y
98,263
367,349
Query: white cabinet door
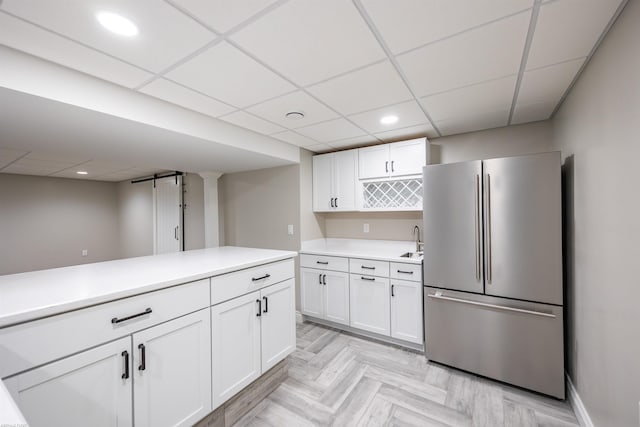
x,y
407,157
322,183
344,180
369,304
406,310
172,372
278,323
92,388
336,296
373,162
311,292
235,340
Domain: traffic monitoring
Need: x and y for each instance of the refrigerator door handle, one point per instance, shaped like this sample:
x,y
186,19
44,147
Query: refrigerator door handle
x,y
493,306
488,231
478,239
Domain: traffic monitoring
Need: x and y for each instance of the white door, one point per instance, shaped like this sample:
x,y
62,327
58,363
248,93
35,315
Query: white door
x,y
92,388
172,372
344,176
336,296
235,342
407,157
406,310
373,162
322,183
278,323
167,213
311,292
370,304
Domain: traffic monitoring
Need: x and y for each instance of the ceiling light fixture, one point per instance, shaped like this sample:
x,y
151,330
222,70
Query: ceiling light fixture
x,y
294,115
117,24
389,120
82,172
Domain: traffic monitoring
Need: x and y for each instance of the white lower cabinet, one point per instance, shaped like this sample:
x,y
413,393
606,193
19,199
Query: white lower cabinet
x,y
406,310
325,294
172,372
251,334
370,309
91,388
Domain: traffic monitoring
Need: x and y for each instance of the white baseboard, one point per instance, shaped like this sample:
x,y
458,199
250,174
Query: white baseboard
x,y
576,403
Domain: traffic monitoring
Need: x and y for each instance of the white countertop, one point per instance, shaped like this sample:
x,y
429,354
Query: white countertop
x,y
29,296
383,250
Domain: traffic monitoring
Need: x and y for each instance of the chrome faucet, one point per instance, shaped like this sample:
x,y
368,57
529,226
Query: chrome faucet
x,y
419,244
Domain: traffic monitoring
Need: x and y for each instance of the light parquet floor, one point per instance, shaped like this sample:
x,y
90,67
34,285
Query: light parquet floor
x,y
337,379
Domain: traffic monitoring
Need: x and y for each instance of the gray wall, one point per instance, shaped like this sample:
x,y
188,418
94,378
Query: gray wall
x,y
506,141
597,130
135,219
312,225
256,207
193,198
47,222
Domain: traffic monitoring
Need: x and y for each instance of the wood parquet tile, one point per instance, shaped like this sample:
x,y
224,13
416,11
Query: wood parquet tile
x,y
336,379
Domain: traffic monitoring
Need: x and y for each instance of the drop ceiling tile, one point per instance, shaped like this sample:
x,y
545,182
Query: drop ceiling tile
x,y
294,138
28,38
180,95
407,133
407,24
229,75
488,96
547,84
525,113
489,52
309,41
331,130
275,110
30,168
358,141
485,120
370,87
166,34
223,15
254,123
319,148
59,157
408,113
568,29
8,155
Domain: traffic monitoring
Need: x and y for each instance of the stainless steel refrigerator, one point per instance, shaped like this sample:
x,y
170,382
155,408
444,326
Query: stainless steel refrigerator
x,y
493,269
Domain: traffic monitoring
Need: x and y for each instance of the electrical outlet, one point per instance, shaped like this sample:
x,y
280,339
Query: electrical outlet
x,y
85,252
290,229
365,228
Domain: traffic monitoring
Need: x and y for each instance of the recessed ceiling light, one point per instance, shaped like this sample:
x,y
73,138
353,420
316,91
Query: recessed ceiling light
x,y
117,24
294,115
389,120
82,172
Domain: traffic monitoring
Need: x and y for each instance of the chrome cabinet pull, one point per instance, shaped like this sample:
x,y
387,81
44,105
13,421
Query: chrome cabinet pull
x,y
143,357
255,279
494,306
478,278
371,279
125,354
133,316
488,231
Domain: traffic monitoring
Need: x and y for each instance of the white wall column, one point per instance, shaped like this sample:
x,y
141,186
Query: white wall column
x,y
211,217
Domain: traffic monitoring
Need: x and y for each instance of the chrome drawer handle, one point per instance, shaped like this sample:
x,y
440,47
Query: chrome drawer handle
x,y
405,272
133,316
266,276
497,307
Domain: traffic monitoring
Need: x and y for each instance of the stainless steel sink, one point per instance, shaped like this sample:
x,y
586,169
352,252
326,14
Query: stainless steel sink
x,y
412,255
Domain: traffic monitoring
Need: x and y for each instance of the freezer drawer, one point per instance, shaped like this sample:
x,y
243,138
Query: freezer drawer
x,y
516,342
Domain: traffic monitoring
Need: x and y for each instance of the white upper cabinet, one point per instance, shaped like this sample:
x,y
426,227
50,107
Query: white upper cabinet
x,y
392,160
334,181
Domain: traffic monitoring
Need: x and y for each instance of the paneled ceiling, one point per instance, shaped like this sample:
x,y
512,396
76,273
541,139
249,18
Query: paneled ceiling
x,y
441,67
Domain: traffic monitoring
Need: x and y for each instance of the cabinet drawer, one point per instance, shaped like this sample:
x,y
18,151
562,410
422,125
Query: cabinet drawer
x,y
369,267
325,262
34,343
232,285
412,272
